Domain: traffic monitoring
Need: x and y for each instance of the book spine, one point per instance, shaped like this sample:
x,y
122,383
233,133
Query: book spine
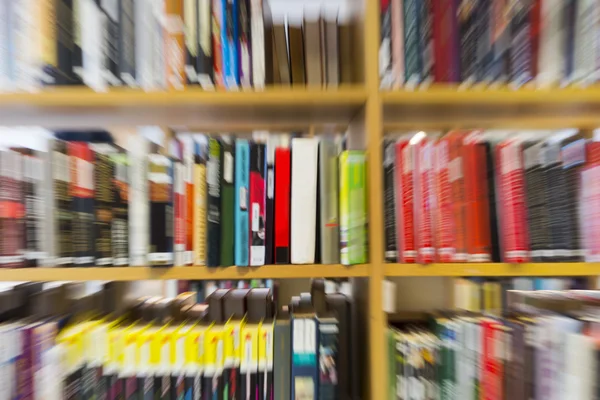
x,y
112,40
258,39
103,208
445,41
329,221
242,185
404,203
282,205
424,202
281,360
63,212
265,361
249,363
144,14
191,15
573,157
270,204
389,184
127,42
426,41
200,201
232,77
520,51
160,188
207,72
49,47
179,207
213,212
305,368
120,210
243,49
456,177
552,43
188,178
175,45
257,203
353,238
138,201
328,359
64,42
397,42
304,200
227,203
35,252
48,211
219,46
82,193
413,55
446,249
468,42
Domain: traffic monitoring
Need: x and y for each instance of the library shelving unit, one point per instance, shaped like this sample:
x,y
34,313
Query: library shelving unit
x,y
368,112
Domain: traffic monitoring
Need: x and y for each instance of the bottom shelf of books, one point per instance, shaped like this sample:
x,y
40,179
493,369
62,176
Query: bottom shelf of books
x,y
237,343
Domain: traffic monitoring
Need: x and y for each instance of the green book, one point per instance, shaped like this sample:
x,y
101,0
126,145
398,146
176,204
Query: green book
x,y
353,207
227,201
391,338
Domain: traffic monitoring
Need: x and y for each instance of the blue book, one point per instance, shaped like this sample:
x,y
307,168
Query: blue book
x,y
225,29
234,43
242,183
229,35
305,368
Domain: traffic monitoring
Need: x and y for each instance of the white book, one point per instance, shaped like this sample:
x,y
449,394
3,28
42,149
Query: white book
x,y
551,61
138,149
585,40
144,17
303,200
25,37
48,204
257,34
93,40
157,37
580,367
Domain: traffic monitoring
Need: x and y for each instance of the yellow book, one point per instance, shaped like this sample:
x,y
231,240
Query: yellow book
x,y
200,214
213,360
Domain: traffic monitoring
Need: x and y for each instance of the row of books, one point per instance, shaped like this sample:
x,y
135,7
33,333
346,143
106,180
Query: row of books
x,y
491,196
532,352
166,44
215,201
237,345
490,296
542,42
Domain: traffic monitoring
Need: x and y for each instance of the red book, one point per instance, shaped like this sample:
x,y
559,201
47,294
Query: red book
x,y
444,231
189,199
493,359
217,50
425,201
11,210
477,214
282,204
179,206
404,202
445,41
456,175
514,229
590,202
536,20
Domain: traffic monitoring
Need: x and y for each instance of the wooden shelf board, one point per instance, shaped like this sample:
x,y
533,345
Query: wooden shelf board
x,y
186,272
82,107
493,269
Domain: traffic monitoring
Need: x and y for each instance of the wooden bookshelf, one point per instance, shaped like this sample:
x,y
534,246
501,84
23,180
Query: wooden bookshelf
x,y
493,269
186,272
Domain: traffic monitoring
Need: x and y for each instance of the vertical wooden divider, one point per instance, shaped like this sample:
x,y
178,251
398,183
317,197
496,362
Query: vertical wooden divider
x,y
374,132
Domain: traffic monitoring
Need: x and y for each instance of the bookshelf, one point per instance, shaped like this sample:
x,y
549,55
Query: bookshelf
x,y
492,269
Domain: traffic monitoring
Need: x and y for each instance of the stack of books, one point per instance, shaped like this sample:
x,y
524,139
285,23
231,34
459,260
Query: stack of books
x,y
491,196
200,200
489,42
547,345
237,345
168,45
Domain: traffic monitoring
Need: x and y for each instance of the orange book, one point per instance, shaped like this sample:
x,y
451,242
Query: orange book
x,y
457,184
477,216
175,45
444,229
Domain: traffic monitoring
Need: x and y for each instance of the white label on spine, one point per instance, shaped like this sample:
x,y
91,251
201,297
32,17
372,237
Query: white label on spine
x,y
270,184
255,217
228,167
455,169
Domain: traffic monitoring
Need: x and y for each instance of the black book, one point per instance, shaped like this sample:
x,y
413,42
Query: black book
x,y
190,20
120,222
555,191
270,206
227,201
63,213
65,47
33,198
257,203
389,190
573,159
204,61
490,165
160,186
536,201
213,211
103,206
112,40
126,29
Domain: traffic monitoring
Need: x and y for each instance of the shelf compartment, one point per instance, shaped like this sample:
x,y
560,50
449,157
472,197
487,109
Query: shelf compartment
x,y
186,272
493,269
82,107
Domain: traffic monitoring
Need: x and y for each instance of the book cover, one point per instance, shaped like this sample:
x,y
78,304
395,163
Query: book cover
x,y
206,67
305,368
282,205
62,210
303,200
139,206
191,16
213,210
227,202
281,357
405,236
272,143
174,45
111,25
257,203
218,45
82,192
353,207
127,42
242,185
200,202
389,190
160,189
329,196
120,208
104,171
